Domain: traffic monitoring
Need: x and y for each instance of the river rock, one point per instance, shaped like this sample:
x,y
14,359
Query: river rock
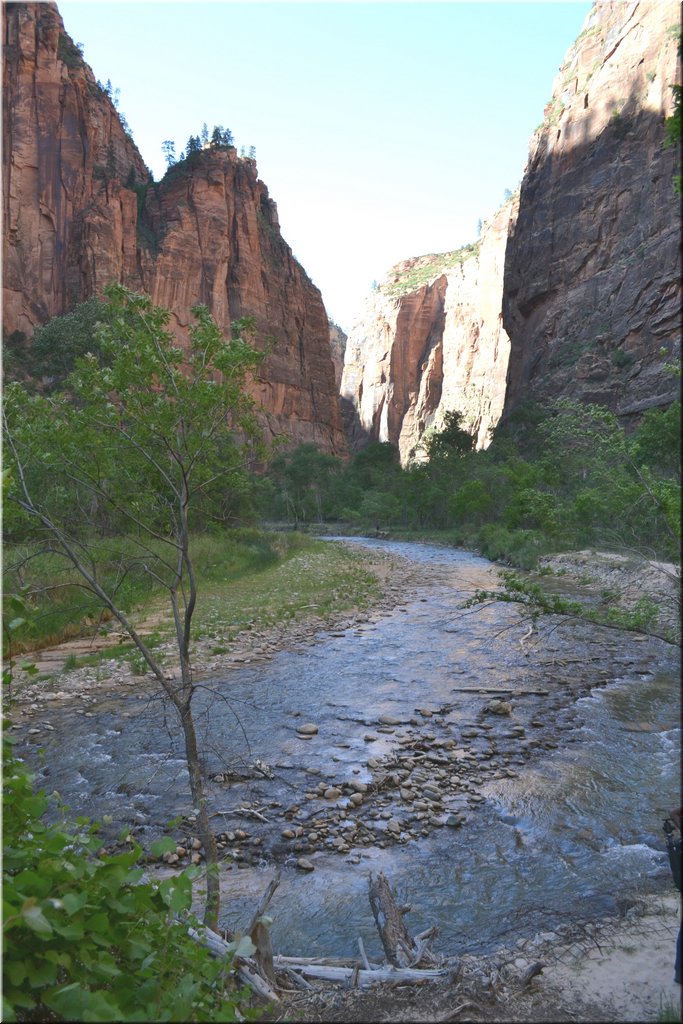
x,y
431,793
308,729
388,720
356,799
304,864
499,707
332,793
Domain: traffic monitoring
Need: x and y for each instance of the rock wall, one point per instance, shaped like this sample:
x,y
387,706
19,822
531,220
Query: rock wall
x,y
338,341
430,340
592,293
81,211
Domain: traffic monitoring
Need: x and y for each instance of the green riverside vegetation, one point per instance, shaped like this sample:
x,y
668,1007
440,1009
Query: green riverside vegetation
x,y
138,492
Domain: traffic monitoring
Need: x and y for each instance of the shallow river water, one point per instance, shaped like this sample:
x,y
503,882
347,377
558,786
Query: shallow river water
x,y
560,809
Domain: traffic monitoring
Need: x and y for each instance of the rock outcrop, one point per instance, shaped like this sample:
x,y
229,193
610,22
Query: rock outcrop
x,y
430,340
578,294
80,211
592,293
338,341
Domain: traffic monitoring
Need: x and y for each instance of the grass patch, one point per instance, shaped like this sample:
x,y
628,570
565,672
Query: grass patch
x,y
247,578
312,578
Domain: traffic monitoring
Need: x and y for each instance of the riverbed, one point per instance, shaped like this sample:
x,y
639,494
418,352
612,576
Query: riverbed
x,y
505,779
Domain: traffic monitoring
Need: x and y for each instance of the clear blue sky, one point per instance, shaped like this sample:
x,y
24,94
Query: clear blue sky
x,y
382,130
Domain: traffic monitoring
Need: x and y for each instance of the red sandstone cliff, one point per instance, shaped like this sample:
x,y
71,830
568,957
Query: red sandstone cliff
x,y
430,340
592,273
80,211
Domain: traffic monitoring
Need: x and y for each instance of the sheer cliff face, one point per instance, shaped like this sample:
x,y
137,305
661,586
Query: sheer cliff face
x,y
585,300
80,212
430,340
592,276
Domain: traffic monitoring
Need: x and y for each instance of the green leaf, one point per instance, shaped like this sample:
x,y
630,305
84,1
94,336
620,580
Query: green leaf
x,y
16,971
69,931
74,901
41,973
161,846
74,1002
34,917
98,923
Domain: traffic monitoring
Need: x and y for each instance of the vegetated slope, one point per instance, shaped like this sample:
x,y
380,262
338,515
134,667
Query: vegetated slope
x,y
81,211
592,290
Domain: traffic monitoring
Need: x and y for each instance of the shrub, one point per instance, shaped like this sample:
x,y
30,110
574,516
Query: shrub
x,y
84,938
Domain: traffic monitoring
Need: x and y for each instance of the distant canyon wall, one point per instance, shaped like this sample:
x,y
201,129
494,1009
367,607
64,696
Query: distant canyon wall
x,y
80,211
592,292
574,290
431,340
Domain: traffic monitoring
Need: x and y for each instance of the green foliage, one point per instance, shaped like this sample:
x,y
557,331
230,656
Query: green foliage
x,y
452,441
84,938
643,617
656,443
61,341
622,360
429,267
68,52
303,485
142,430
556,477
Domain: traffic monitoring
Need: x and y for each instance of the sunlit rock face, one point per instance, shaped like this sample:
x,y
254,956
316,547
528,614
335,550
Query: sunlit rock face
x,y
430,340
338,347
80,211
592,291
576,291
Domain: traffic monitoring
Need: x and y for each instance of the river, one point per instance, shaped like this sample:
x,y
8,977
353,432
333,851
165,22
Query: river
x,y
492,820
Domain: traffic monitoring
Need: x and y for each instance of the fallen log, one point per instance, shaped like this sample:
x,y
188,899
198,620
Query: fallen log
x,y
385,975
246,968
499,689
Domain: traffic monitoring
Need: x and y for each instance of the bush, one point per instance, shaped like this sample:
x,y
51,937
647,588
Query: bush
x,y
84,938
522,548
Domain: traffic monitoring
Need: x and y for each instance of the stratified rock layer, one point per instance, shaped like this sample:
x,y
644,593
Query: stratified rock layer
x,y
592,292
80,211
430,340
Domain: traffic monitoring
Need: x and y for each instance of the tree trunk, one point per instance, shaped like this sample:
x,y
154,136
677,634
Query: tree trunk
x,y
208,840
398,945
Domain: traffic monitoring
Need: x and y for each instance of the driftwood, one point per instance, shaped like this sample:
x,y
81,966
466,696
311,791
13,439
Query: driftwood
x,y
400,949
260,971
246,968
260,936
363,978
498,689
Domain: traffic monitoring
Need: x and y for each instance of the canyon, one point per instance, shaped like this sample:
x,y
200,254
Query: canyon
x,y
81,211
573,289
